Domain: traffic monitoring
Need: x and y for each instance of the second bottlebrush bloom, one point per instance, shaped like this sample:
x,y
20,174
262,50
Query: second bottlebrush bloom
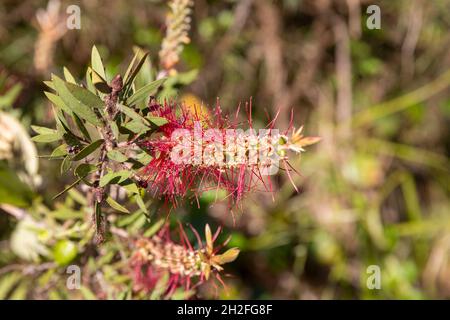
x,y
187,266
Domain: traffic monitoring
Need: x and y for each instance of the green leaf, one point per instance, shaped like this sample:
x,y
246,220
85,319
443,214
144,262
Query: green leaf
x,y
154,228
71,139
74,104
49,84
45,278
88,150
8,282
85,96
145,75
125,221
47,138
115,205
117,156
82,127
157,121
60,118
138,124
46,134
137,127
99,83
7,99
115,177
114,129
130,68
129,79
64,213
96,62
20,293
59,151
78,197
58,102
12,190
106,260
137,225
130,186
65,164
140,203
132,114
83,169
145,92
68,76
43,130
90,86
144,158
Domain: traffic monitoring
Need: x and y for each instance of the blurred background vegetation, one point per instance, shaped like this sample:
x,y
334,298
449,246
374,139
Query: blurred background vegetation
x,y
374,191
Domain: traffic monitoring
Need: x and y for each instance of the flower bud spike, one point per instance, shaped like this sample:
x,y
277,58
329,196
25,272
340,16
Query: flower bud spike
x,y
159,254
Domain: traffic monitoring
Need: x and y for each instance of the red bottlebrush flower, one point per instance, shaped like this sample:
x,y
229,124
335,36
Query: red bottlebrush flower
x,y
194,152
187,267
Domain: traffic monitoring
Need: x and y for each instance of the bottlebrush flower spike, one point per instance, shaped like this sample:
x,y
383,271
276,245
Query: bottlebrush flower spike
x,y
215,154
52,26
178,24
188,267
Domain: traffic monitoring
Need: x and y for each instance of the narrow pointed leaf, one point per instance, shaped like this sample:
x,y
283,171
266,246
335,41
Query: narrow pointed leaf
x,y
88,150
57,102
157,121
49,84
47,138
140,203
83,111
65,164
100,83
68,76
135,71
154,228
115,205
43,130
114,177
145,92
117,156
97,63
85,96
137,127
59,151
90,86
83,169
82,128
132,114
130,68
